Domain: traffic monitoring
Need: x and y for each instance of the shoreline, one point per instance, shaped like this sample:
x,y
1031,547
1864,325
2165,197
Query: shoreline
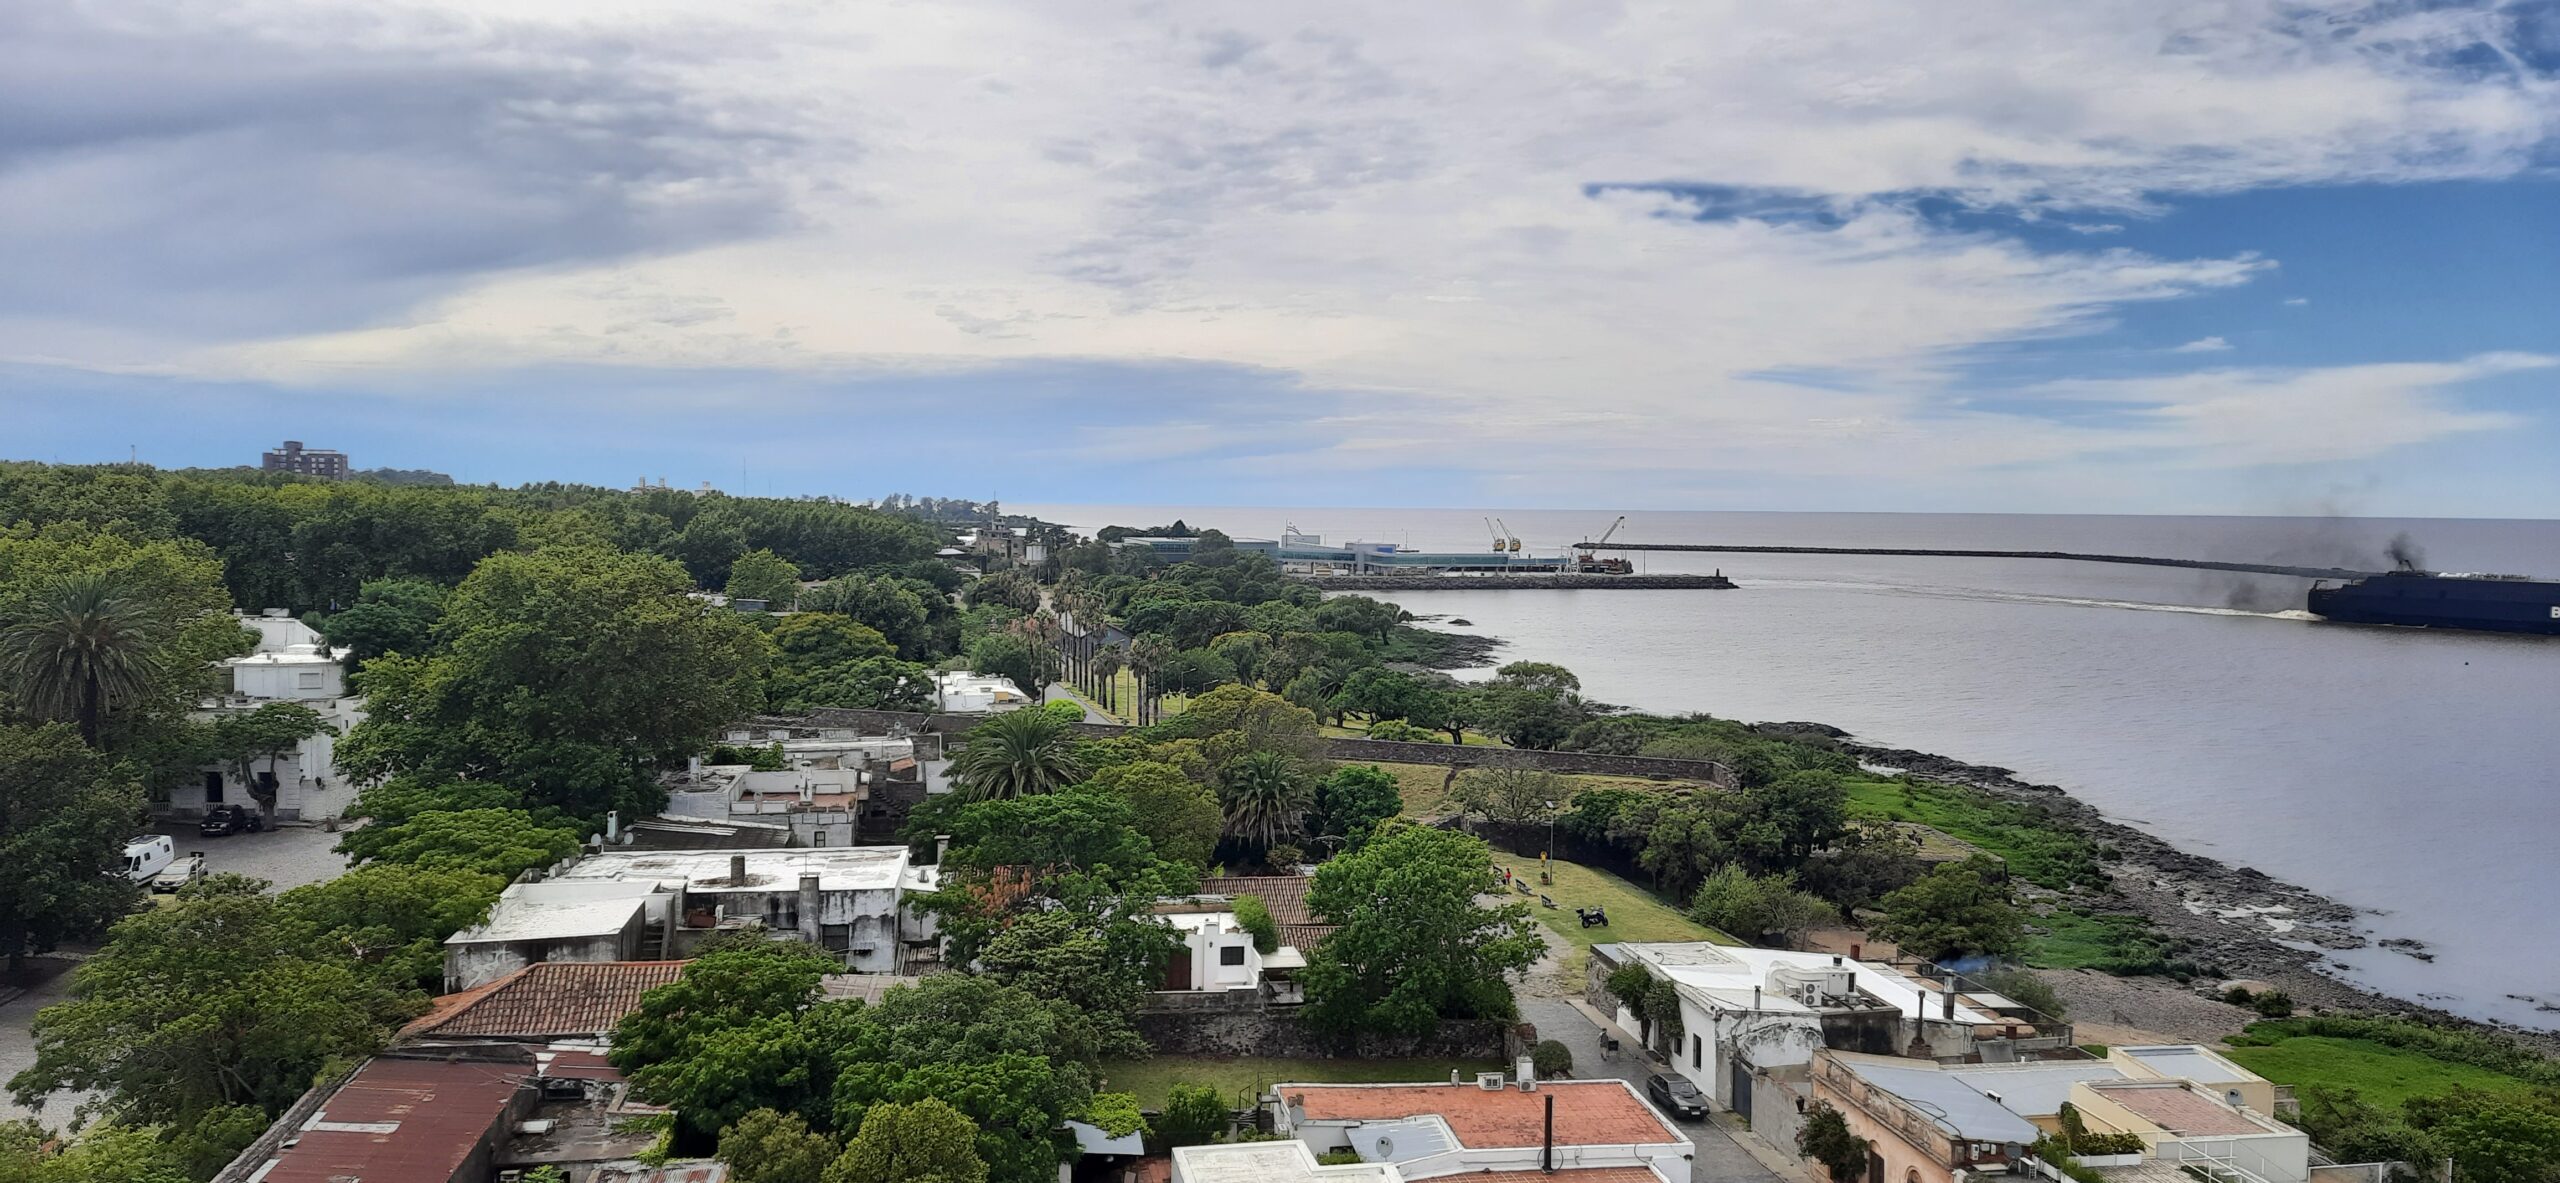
x,y
2222,913
2236,918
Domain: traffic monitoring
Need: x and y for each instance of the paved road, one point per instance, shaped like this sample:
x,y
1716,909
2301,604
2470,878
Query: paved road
x,y
288,856
18,1045
1721,1159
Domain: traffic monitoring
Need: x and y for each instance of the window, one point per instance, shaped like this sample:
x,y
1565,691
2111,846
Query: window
x,y
1231,955
836,937
1697,1052
213,788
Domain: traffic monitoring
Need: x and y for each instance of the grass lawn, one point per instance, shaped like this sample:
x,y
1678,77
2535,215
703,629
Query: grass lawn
x,y
2385,1075
1634,913
2035,850
1242,1079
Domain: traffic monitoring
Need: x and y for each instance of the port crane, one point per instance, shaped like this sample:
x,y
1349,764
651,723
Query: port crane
x,y
1587,563
1504,542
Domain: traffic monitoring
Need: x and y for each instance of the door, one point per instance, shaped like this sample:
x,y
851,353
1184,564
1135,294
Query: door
x,y
1875,1167
1177,971
1741,1090
213,788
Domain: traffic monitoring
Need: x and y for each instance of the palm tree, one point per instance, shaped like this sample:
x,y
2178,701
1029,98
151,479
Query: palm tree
x,y
1148,656
1020,753
1106,672
87,646
1266,796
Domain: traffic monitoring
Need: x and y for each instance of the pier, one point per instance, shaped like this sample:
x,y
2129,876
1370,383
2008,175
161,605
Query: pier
x,y
1523,582
2068,556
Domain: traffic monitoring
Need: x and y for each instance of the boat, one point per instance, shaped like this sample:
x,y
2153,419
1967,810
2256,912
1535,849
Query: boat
x,y
2428,599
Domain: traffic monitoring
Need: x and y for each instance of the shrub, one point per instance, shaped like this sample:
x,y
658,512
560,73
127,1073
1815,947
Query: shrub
x,y
1399,731
1551,1058
1825,1138
1339,1158
2237,996
1630,984
1255,918
2274,1004
1194,1114
1064,710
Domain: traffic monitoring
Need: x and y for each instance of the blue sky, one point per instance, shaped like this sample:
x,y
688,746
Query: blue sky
x,y
2113,257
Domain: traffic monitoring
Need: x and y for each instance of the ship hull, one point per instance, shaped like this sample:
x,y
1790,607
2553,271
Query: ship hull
x,y
2485,605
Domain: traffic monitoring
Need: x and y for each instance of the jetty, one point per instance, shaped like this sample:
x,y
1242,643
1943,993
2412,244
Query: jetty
x,y
1935,552
1520,582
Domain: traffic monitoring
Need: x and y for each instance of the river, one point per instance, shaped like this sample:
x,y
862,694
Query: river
x,y
2408,773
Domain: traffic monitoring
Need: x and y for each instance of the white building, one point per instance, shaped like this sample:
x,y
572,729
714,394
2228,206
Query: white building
x,y
1217,953
961,693
1744,1008
290,664
853,901
1271,1162
1428,1130
558,920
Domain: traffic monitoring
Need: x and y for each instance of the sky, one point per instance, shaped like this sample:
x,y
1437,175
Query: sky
x,y
2134,256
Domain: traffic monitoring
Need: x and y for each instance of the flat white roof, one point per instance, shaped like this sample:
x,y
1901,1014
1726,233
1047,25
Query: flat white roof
x,y
2191,1062
1287,1161
1724,976
550,919
838,868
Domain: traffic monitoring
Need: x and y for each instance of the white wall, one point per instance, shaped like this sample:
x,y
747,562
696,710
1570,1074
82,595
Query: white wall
x,y
289,680
1205,940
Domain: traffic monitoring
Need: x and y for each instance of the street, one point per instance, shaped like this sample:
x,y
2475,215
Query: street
x,y
1722,1158
286,857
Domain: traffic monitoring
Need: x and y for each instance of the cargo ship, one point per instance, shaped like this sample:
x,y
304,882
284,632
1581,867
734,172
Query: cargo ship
x,y
2427,599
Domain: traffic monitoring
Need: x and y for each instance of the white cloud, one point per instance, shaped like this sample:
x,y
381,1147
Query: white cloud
x,y
2297,301
2204,345
1379,199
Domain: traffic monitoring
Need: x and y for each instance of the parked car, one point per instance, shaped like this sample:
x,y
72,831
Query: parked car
x,y
180,874
230,819
1677,1096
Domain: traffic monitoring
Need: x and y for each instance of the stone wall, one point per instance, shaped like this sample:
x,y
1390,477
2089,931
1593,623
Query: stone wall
x,y
1280,1033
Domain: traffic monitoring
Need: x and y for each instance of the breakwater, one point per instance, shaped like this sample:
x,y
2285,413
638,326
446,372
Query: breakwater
x,y
2063,555
1385,583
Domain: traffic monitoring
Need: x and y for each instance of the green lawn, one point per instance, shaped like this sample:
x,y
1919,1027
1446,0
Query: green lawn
x,y
1634,913
1242,1079
2035,850
2385,1075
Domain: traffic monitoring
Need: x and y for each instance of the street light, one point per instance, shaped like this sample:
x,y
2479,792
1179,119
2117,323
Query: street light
x,y
1544,877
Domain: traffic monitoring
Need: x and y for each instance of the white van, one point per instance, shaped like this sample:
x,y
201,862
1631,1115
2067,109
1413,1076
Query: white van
x,y
146,855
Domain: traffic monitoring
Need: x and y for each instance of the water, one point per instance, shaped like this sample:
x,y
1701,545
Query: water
x,y
2401,771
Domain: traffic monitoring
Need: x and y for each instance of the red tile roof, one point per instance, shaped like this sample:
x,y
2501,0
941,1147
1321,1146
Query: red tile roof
x,y
1588,1112
401,1121
2177,1108
1285,896
545,1000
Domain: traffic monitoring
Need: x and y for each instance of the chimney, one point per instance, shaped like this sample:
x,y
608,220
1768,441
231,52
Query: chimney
x,y
613,825
941,847
1547,1145
1951,1000
1835,961
737,870
1853,951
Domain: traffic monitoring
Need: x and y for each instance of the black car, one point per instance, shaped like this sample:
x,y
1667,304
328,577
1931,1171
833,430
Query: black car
x,y
1676,1095
230,819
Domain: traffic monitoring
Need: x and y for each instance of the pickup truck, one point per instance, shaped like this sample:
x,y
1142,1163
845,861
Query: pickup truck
x,y
179,874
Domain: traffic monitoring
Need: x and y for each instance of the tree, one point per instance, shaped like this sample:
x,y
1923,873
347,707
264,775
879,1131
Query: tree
x,y
1028,664
1758,908
726,988
65,811
1955,910
101,1154
1194,1114
1100,960
1194,671
1266,796
217,1001
1015,1064
903,610
1360,615
923,1141
1825,1138
90,644
389,616
1179,816
246,737
768,1146
1414,945
764,575
568,673
1511,794
1245,653
2491,1138
500,842
1382,693
1015,754
1078,829
1356,800
1254,916
826,659
394,918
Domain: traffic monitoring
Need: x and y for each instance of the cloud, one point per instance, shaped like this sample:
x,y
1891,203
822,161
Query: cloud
x,y
2297,301
2204,345
1633,232
2243,417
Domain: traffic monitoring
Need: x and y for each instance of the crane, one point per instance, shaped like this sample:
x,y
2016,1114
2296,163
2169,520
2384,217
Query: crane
x,y
1605,535
1589,563
1496,531
1505,540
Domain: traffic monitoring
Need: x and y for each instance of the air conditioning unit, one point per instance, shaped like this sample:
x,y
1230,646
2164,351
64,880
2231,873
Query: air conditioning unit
x,y
1490,1082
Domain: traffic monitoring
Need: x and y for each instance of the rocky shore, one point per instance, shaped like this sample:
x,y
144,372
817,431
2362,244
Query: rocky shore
x,y
2237,921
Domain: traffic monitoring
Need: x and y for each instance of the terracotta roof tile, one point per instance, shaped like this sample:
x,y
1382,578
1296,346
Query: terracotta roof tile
x,y
400,1121
1305,937
1588,1113
1284,895
2177,1108
549,999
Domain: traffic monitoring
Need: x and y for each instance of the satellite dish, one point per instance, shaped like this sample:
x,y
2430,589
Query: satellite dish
x,y
1386,1147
